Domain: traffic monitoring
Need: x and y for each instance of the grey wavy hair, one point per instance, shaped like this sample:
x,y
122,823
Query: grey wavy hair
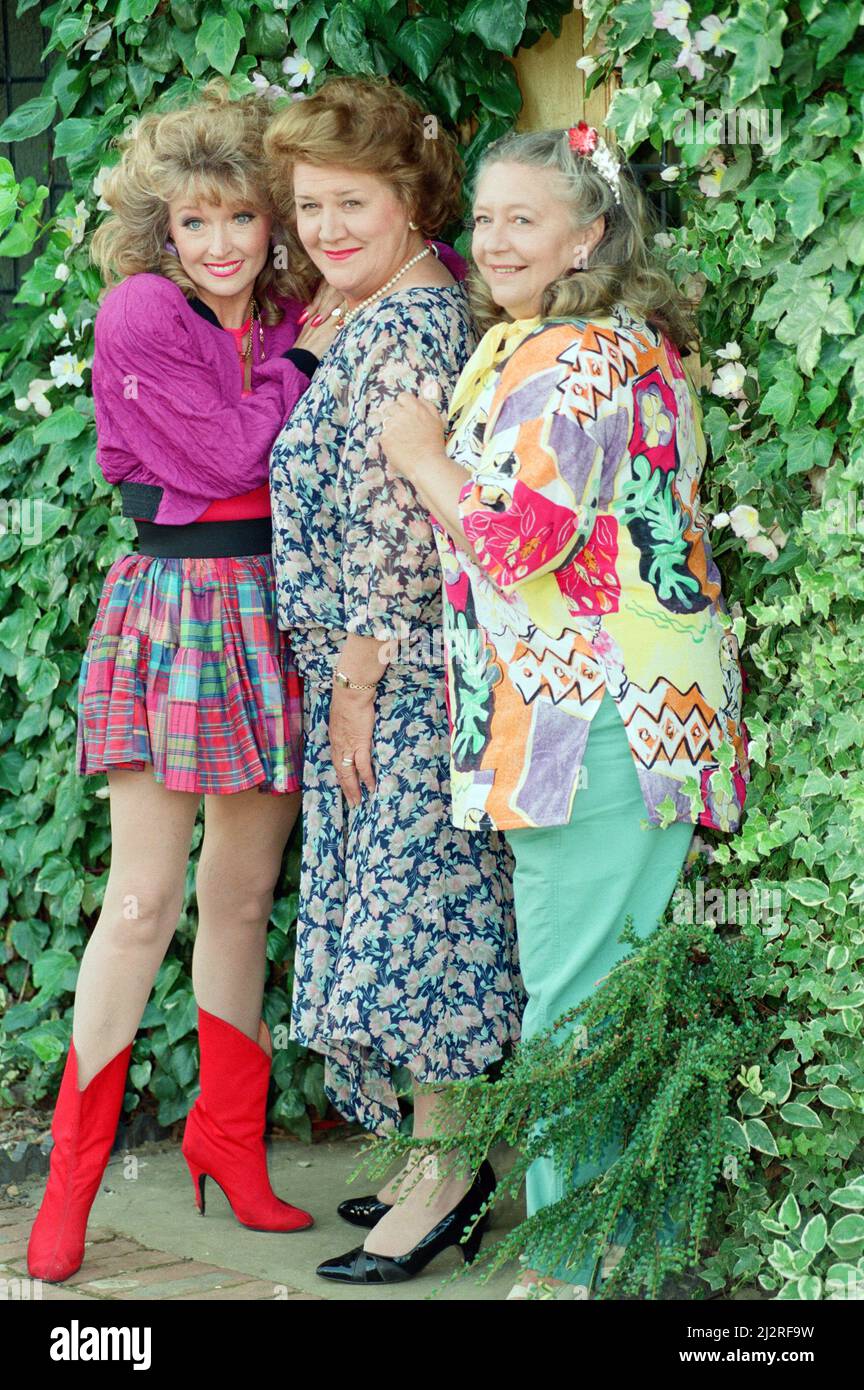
x,y
621,268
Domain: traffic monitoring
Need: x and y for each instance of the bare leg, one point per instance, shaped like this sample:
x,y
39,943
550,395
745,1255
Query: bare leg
x,y
241,856
151,831
427,1199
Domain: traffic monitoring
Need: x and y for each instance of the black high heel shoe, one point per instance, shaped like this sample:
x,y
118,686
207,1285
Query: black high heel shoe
x,y
359,1266
363,1211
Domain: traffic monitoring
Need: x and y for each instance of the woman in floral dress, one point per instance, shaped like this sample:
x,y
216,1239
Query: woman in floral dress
x,y
405,954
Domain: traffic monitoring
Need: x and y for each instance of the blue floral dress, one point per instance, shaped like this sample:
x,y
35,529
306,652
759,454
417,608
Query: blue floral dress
x,y
406,944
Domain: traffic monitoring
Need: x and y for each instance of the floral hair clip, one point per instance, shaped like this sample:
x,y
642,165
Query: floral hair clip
x,y
585,141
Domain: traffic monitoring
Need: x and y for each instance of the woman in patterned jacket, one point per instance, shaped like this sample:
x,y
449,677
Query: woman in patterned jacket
x,y
594,684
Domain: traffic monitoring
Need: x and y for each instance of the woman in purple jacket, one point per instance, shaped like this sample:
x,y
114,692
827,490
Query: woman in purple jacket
x,y
188,687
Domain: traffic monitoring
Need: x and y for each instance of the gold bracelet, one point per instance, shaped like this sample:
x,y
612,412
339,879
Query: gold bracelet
x,y
341,679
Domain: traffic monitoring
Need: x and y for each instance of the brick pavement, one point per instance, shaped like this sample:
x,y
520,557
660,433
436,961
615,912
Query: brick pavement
x,y
116,1269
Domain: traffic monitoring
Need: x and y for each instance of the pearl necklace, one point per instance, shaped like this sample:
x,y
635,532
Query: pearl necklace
x,y
342,314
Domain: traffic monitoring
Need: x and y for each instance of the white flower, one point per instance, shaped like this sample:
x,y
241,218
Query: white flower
x,y
673,15
670,175
709,37
688,58
729,351
36,397
67,370
721,520
777,535
266,88
761,545
76,224
729,380
744,521
58,319
97,186
587,65
299,69
62,272
709,184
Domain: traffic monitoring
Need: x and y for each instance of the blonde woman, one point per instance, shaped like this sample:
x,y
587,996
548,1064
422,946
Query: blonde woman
x,y
188,688
593,683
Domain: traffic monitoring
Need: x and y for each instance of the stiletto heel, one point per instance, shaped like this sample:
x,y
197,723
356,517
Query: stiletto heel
x,y
360,1266
198,1180
471,1248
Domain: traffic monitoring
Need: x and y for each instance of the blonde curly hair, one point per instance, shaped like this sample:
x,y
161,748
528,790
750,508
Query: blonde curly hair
x,y
621,268
212,151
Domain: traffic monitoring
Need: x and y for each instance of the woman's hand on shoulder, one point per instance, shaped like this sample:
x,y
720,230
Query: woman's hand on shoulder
x,y
413,429
318,339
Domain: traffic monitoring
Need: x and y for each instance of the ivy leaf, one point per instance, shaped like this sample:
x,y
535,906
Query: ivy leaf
x,y
810,891
804,193
631,112
420,43
790,1212
794,1113
760,1137
267,35
498,23
754,35
808,448
847,1235
219,39
29,938
815,1235
835,26
781,399
54,972
65,423
28,119
851,1197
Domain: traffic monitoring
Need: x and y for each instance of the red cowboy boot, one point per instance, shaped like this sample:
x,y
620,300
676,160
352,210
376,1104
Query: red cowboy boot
x,y
84,1126
224,1135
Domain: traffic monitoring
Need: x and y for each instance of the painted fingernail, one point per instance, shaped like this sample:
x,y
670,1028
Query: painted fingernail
x,y
304,316
319,318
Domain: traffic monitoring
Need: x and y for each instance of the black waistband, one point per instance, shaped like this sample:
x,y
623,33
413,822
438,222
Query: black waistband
x,y
206,540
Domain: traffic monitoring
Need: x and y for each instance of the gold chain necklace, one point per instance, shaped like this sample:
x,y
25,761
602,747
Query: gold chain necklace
x,y
255,318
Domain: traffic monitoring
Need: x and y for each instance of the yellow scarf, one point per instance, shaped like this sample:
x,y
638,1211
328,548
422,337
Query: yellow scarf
x,y
500,341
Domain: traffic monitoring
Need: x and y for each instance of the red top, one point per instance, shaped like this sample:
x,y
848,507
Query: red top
x,y
246,504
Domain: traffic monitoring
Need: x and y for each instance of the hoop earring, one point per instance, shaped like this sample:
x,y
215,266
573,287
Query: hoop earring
x,y
413,226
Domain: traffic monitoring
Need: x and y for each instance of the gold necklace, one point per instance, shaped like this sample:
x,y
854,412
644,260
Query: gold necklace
x,y
255,318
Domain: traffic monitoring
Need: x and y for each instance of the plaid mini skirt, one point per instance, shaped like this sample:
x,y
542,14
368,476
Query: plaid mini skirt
x,y
186,669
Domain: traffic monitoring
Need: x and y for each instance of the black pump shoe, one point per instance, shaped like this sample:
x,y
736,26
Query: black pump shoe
x,y
363,1211
358,1266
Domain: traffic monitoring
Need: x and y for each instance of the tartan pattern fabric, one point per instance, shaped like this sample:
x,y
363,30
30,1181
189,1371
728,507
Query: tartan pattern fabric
x,y
186,669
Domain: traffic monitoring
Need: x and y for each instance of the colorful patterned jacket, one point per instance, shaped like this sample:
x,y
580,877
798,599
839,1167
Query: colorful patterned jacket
x,y
592,573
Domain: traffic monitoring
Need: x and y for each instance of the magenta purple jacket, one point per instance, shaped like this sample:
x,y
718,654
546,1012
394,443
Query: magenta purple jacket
x,y
167,397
